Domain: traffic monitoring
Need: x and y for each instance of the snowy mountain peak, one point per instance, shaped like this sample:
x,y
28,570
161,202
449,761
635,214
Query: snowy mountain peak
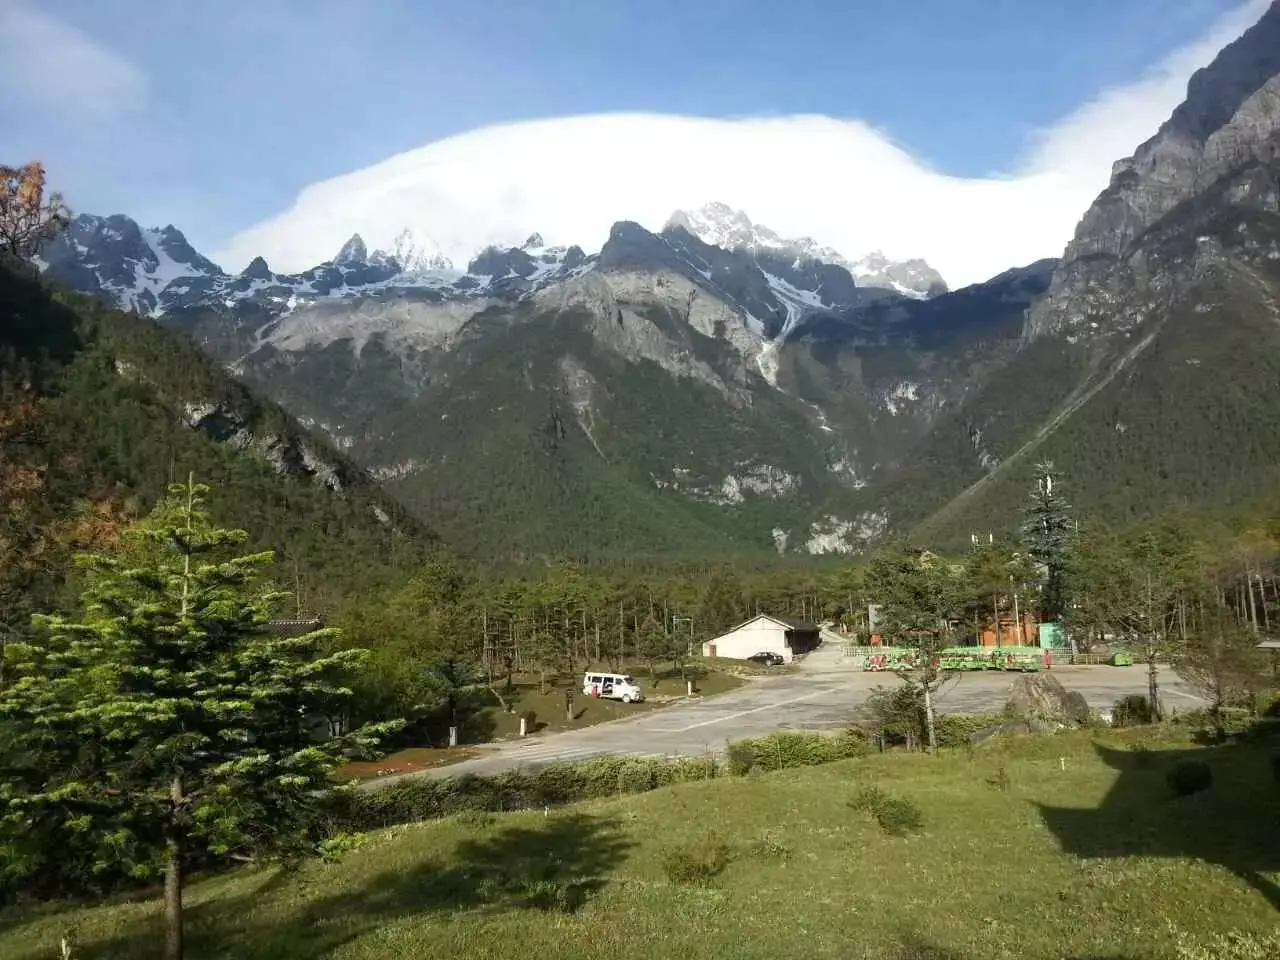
x,y
131,265
353,251
535,242
721,225
417,254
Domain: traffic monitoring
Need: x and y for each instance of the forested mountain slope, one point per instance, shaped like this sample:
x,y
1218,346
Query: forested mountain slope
x,y
100,410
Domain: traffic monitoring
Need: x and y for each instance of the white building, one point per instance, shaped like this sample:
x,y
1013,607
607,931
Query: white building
x,y
764,633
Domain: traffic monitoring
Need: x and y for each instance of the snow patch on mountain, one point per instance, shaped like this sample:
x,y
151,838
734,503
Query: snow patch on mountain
x,y
721,225
899,395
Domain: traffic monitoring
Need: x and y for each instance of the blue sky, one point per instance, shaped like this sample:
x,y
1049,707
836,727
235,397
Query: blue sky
x,y
213,115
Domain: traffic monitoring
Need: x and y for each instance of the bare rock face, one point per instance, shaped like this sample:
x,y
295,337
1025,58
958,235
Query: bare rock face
x,y
1229,120
1041,696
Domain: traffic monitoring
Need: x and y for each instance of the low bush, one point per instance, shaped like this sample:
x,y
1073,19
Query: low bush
x,y
1189,776
768,846
1226,722
1133,710
427,798
784,751
698,862
898,817
954,730
740,757
895,816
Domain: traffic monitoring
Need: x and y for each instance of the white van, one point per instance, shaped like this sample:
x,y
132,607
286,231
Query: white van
x,y
615,686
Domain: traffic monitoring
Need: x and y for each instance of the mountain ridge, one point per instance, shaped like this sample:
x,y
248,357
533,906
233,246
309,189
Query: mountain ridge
x,y
671,395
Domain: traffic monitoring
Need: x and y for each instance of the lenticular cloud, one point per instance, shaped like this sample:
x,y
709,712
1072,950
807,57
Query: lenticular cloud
x,y
838,181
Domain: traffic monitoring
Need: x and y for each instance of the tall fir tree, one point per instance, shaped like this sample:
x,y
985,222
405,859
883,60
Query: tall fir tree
x,y
1046,532
722,604
168,724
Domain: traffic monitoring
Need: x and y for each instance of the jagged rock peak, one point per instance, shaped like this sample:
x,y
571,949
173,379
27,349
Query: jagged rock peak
x,y
1230,116
353,251
257,270
1229,121
534,242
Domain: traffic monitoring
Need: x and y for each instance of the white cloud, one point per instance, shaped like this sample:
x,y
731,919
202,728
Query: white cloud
x,y
838,181
53,66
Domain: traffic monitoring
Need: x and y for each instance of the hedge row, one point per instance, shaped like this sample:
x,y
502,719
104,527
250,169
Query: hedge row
x,y
422,798
782,751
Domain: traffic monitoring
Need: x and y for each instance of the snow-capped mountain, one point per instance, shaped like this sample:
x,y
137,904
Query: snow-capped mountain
x,y
133,267
719,224
157,272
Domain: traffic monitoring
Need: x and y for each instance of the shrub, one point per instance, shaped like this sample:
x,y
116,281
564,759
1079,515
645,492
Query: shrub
x,y
740,757
868,799
332,849
1133,710
697,862
424,798
895,816
768,846
898,817
1189,776
895,716
783,751
954,730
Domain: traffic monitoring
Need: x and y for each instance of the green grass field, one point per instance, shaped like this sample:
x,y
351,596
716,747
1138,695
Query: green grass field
x,y
1077,850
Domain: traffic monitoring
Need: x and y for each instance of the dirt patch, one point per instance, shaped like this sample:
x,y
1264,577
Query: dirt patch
x,y
409,760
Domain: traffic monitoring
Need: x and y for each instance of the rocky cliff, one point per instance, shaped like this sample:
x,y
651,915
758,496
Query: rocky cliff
x,y
1229,120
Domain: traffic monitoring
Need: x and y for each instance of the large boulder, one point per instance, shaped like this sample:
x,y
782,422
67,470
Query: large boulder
x,y
1041,696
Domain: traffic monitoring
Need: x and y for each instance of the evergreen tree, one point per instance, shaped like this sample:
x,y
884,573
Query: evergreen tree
x,y
656,644
722,604
168,724
1046,531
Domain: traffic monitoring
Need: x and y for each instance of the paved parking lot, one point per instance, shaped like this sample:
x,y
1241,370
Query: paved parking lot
x,y
823,695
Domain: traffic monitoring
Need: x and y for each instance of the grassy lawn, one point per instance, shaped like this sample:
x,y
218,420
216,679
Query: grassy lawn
x,y
1078,850
529,694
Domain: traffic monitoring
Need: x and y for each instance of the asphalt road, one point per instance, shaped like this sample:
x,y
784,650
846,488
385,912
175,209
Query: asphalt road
x,y
823,695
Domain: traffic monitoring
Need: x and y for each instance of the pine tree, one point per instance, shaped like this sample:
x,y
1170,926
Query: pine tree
x,y
1047,531
168,724
722,605
655,644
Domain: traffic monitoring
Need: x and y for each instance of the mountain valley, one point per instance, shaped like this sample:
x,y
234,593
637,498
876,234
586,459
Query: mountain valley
x,y
716,389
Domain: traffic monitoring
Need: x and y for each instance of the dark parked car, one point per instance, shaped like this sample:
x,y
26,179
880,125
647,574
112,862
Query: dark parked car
x,y
768,658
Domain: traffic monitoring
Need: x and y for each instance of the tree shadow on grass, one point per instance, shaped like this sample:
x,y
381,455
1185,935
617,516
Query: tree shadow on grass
x,y
1234,824
556,867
